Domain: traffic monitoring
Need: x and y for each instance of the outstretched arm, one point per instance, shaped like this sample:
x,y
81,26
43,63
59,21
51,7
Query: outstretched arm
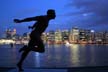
x,y
25,20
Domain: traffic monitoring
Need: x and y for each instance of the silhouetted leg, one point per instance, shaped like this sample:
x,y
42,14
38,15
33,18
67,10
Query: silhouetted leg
x,y
35,41
31,44
23,56
23,48
38,45
26,49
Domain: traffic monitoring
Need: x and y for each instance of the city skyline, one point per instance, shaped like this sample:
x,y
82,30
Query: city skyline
x,y
75,35
89,14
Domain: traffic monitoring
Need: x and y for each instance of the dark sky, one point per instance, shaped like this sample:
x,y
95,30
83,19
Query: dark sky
x,y
92,14
88,14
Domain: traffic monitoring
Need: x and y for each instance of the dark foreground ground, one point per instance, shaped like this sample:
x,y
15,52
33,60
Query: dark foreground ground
x,y
74,69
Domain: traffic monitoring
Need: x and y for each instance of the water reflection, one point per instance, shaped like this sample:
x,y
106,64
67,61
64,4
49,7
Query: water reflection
x,y
14,55
92,55
75,54
37,59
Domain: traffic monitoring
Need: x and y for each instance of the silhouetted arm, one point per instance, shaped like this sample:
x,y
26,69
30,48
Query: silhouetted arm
x,y
26,19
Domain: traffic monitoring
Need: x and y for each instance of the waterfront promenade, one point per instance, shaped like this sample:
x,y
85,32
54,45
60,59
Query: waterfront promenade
x,y
57,58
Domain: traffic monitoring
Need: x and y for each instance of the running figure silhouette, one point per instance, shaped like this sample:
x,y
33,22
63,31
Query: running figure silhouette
x,y
35,42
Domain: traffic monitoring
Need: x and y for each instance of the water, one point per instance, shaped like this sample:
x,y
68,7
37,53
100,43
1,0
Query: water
x,y
57,56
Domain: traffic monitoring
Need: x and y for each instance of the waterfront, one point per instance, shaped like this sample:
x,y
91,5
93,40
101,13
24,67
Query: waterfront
x,y
57,56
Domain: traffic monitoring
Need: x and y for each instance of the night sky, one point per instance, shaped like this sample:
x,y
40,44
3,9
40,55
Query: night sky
x,y
87,14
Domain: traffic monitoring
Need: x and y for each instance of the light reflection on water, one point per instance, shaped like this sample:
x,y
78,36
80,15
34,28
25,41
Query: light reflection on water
x,y
79,55
74,55
37,59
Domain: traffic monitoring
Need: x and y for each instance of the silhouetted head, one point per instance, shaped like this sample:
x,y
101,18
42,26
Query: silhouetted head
x,y
51,14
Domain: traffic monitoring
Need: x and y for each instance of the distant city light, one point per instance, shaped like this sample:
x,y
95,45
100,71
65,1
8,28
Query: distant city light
x,y
6,41
67,37
92,31
85,14
88,14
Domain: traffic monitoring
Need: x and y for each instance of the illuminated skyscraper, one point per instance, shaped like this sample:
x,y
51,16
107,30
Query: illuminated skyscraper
x,y
106,37
51,37
13,34
74,35
82,35
44,37
99,36
65,35
58,36
8,33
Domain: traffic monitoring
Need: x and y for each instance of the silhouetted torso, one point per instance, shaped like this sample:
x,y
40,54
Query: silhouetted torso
x,y
40,24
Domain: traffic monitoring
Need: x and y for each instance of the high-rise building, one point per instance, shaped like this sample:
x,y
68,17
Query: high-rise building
x,y
14,31
65,35
8,33
91,36
26,36
51,37
58,36
82,35
74,35
13,34
99,36
88,35
106,37
44,37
